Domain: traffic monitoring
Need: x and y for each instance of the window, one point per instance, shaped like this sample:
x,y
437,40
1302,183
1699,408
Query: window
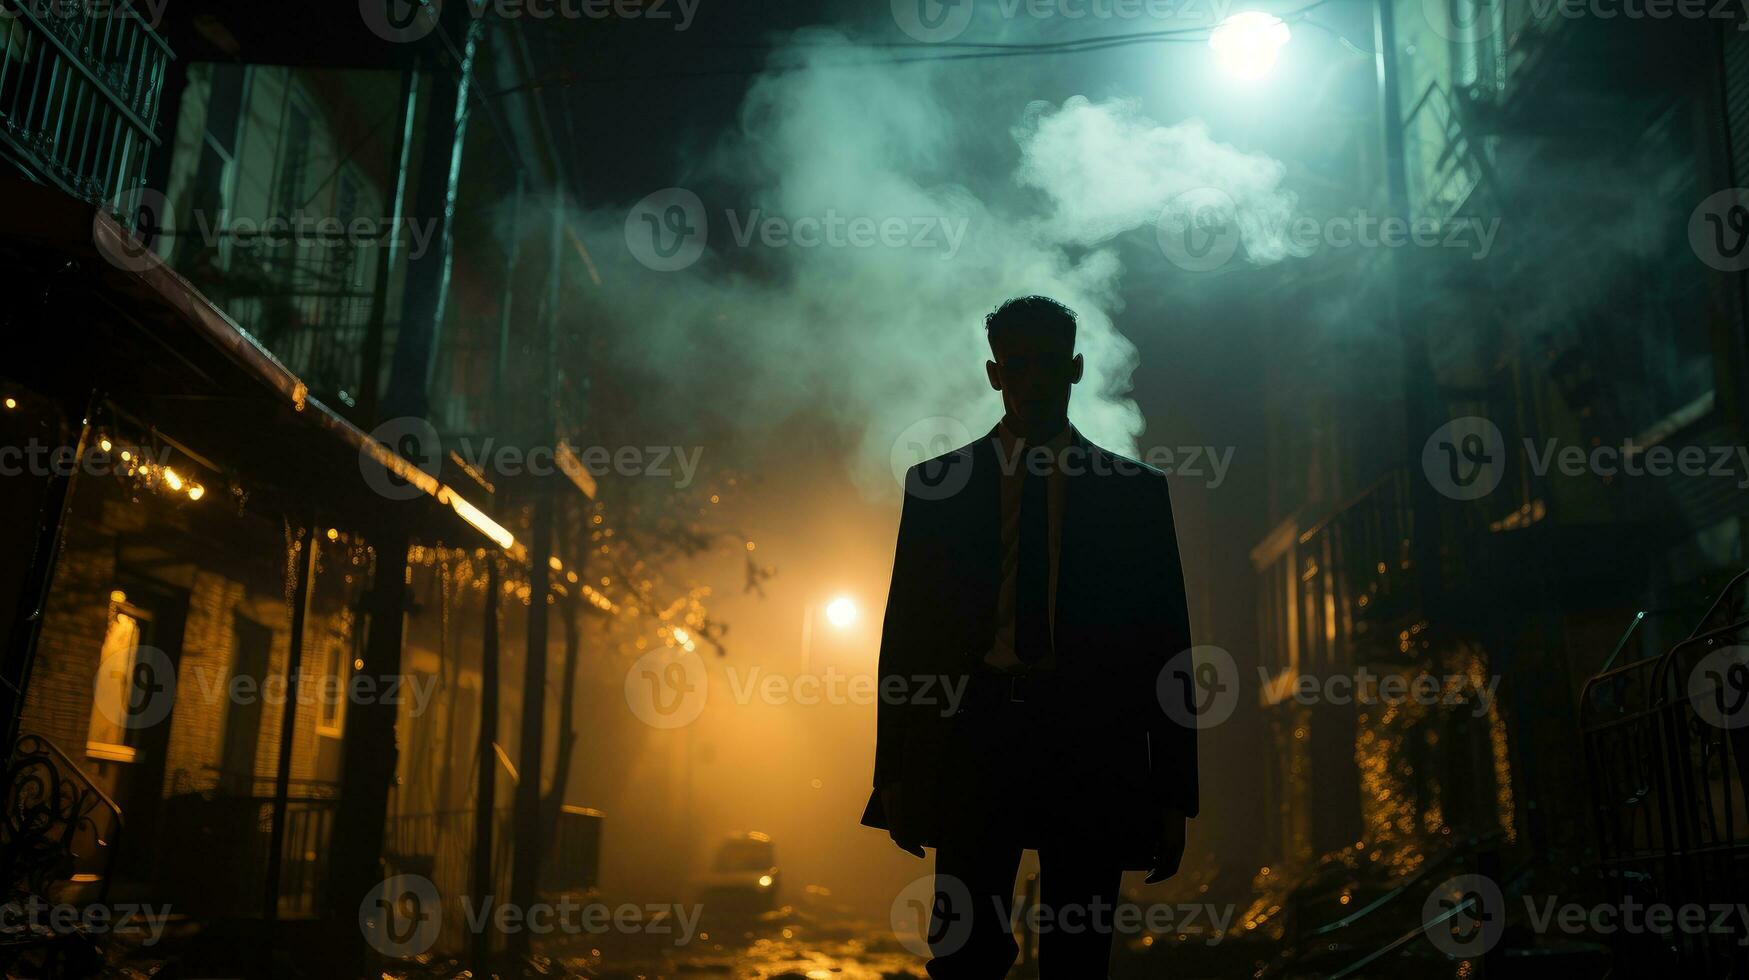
x,y
336,669
123,686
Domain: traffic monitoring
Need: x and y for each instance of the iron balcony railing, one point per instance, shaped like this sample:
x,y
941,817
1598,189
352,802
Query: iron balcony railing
x,y
79,91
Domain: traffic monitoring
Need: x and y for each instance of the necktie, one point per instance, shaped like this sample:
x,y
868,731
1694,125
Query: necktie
x,y
1032,617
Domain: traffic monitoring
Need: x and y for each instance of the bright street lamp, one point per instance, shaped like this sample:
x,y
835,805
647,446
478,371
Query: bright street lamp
x,y
841,612
1247,44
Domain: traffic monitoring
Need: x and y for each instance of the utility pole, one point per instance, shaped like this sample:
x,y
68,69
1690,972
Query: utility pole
x,y
370,751
533,838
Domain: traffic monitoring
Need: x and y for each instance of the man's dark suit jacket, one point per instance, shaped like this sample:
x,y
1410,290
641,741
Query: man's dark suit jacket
x,y
1117,759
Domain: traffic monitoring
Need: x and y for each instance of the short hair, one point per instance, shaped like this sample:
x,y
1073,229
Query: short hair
x,y
1032,313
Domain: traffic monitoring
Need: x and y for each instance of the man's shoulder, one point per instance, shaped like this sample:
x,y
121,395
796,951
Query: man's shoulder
x,y
1102,460
942,476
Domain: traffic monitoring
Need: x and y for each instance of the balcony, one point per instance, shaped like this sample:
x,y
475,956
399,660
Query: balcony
x,y
79,92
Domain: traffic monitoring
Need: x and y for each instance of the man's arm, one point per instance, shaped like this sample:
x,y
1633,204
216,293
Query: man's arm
x,y
898,632
1172,741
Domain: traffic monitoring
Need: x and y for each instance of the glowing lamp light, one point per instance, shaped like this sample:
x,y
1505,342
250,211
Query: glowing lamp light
x,y
841,612
765,881
1247,44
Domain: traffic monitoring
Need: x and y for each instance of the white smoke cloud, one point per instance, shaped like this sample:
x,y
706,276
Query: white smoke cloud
x,y
876,338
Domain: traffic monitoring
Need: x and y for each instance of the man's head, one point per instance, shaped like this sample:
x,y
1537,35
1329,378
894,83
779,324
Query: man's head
x,y
1033,341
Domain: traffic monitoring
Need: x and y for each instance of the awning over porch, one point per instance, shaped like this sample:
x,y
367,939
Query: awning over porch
x,y
95,314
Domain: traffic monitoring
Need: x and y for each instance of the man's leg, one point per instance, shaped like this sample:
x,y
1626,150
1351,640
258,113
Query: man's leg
x,y
1079,893
970,926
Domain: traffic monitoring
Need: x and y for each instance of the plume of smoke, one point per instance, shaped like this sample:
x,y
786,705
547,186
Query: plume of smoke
x,y
875,339
1107,169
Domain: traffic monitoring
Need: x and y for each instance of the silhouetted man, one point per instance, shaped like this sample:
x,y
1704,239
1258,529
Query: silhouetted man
x,y
1043,570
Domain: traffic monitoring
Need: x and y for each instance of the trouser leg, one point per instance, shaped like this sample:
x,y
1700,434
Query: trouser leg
x,y
970,926
1079,894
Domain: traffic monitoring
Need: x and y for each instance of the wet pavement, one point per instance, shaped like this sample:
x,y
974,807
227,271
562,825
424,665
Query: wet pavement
x,y
786,944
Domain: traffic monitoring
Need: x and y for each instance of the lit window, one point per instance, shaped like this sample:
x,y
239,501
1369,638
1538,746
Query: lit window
x,y
118,692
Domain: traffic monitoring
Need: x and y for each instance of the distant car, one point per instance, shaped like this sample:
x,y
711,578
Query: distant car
x,y
743,876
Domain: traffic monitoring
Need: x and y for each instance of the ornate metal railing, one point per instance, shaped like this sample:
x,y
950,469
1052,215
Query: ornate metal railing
x,y
79,89
1667,755
59,831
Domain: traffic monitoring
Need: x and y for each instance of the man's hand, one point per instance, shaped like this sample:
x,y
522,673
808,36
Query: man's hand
x,y
898,820
1169,851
